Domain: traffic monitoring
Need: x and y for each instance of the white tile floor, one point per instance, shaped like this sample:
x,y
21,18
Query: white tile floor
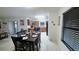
x,y
46,44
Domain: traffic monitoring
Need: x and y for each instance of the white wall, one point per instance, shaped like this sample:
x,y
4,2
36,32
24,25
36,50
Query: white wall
x,y
52,27
14,19
3,26
54,31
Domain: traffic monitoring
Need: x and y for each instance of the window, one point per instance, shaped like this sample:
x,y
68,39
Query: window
x,y
42,24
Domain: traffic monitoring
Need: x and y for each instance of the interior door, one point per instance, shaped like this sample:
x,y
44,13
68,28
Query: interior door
x,y
10,26
46,27
13,27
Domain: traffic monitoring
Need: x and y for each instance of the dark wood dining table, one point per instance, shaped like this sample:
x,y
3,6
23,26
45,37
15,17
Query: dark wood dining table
x,y
32,39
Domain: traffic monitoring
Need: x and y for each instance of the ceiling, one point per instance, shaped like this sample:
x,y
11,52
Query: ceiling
x,y
25,11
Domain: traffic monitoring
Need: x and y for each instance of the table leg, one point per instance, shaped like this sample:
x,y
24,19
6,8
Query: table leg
x,y
33,46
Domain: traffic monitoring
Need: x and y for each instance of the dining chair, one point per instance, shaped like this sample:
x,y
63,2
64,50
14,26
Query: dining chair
x,y
37,29
19,46
37,42
39,38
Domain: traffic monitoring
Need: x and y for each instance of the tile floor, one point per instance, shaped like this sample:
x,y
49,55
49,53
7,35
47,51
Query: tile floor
x,y
46,44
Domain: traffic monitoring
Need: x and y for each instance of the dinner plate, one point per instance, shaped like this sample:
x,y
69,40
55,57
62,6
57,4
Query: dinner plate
x,y
23,35
34,35
24,38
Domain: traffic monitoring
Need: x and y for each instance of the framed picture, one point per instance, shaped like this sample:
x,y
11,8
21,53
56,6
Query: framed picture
x,y
28,21
21,22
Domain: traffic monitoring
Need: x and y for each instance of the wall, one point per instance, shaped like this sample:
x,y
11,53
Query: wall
x,y
52,27
3,26
10,19
55,30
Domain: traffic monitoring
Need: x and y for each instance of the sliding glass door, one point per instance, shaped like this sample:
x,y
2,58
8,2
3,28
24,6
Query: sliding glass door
x,y
71,28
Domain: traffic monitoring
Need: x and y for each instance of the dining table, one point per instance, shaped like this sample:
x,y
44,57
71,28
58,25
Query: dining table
x,y
32,38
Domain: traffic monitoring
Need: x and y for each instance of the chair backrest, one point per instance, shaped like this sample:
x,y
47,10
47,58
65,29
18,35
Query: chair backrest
x,y
16,39
37,29
22,32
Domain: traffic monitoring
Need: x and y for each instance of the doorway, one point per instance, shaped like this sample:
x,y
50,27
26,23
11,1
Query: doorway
x,y
47,28
13,27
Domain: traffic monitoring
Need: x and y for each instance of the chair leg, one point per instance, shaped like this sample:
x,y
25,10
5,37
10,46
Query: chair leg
x,y
30,48
37,48
33,46
15,49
